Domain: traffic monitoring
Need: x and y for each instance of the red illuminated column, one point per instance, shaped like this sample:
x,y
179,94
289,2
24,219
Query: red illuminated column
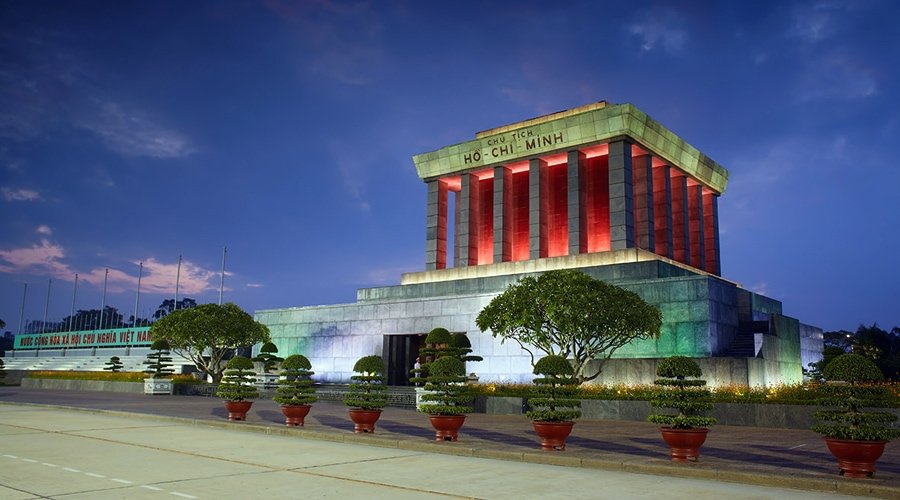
x,y
621,196
503,222
711,231
486,219
436,226
468,221
577,208
662,210
644,232
681,236
538,198
695,206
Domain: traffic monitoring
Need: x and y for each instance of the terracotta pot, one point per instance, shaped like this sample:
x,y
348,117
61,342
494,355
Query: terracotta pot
x,y
446,426
684,444
237,410
364,420
294,414
856,458
553,434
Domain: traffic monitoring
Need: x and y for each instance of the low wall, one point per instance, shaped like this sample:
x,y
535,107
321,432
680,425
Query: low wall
x,y
751,415
82,385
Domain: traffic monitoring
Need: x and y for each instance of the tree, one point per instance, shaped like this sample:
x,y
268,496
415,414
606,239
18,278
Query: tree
x,y
570,314
168,306
206,334
2,324
114,365
159,363
90,320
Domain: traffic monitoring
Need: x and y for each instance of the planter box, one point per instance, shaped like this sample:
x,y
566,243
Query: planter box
x,y
267,381
158,386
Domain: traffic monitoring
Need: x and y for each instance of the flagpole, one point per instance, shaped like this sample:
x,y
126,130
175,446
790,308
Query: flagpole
x,y
72,314
222,282
177,278
137,298
103,301
46,306
22,312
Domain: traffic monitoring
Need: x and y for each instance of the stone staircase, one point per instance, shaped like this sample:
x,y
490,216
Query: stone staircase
x,y
744,343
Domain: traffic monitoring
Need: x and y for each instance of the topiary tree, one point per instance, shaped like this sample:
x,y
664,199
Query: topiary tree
x,y
159,363
569,314
114,365
438,343
368,391
238,380
445,388
296,386
267,357
460,342
855,391
689,396
555,392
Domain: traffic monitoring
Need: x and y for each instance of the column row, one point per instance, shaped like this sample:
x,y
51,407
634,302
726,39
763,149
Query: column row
x,y
608,198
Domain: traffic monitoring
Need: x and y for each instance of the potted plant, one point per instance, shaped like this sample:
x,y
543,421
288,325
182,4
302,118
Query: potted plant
x,y
269,360
686,431
855,437
237,387
159,366
447,397
554,405
296,390
367,394
438,343
114,365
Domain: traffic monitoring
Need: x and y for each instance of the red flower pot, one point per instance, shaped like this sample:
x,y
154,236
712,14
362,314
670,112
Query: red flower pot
x,y
294,414
684,444
446,426
364,420
237,410
553,434
856,458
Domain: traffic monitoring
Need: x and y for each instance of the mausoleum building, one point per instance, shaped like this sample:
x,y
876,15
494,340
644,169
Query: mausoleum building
x,y
602,188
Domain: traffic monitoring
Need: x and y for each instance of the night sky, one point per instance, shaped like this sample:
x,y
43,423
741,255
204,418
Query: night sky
x,y
140,131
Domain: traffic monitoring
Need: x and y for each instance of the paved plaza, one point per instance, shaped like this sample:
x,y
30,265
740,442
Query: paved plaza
x,y
498,456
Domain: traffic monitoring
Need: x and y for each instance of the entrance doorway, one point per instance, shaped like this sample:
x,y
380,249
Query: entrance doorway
x,y
399,353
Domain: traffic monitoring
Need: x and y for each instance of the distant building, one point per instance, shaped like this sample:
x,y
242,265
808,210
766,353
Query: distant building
x,y
601,188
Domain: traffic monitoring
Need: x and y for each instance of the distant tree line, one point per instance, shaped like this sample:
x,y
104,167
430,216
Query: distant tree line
x,y
873,342
92,319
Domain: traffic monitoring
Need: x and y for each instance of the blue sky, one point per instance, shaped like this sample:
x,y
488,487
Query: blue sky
x,y
140,131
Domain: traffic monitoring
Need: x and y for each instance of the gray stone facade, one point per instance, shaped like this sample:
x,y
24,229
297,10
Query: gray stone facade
x,y
704,317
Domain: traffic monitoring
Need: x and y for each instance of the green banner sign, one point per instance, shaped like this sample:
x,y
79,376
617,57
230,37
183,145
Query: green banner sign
x,y
116,337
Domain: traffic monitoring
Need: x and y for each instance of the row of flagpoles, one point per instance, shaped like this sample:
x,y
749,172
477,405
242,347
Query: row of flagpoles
x,y
137,298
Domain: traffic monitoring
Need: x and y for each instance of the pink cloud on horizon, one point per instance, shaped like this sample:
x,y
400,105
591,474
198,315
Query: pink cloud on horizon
x,y
158,277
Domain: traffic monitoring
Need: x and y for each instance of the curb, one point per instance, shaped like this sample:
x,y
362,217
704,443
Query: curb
x,y
838,485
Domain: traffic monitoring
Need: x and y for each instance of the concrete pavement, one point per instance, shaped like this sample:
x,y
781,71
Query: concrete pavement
x,y
751,456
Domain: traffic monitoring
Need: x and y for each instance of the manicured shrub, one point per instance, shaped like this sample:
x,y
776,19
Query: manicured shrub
x,y
368,389
689,396
851,391
555,392
159,362
267,357
445,388
114,365
295,387
238,382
